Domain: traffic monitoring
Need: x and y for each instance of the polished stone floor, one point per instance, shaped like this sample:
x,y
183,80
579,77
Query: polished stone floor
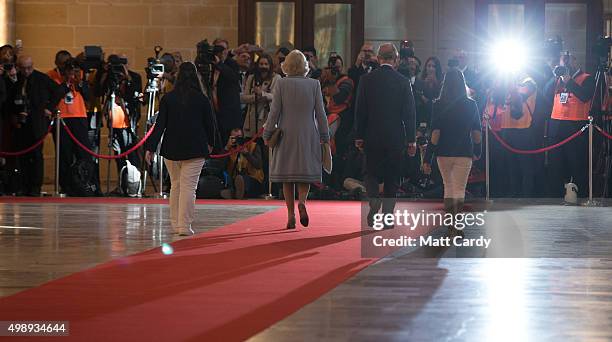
x,y
42,242
559,289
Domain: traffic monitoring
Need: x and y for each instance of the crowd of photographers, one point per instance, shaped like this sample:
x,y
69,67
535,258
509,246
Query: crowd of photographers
x,y
104,92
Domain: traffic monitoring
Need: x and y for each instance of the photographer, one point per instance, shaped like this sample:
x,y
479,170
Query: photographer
x,y
311,56
511,107
244,168
31,103
257,95
75,92
279,58
366,62
226,90
127,86
572,91
337,89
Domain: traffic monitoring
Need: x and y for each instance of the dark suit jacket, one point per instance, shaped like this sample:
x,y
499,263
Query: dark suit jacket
x,y
42,93
385,111
187,125
228,93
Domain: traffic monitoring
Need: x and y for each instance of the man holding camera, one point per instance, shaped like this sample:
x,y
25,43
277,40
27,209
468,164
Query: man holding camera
x,y
245,168
75,92
572,91
127,86
226,90
385,114
365,63
31,104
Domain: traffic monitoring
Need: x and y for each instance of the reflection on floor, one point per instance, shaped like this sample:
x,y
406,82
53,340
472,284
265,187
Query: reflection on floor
x,y
42,242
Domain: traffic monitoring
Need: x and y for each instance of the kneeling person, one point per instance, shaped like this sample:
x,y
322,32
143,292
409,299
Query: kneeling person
x,y
244,168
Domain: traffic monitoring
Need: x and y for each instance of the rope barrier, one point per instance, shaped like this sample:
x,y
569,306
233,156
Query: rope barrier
x,y
238,148
540,150
604,133
29,149
102,156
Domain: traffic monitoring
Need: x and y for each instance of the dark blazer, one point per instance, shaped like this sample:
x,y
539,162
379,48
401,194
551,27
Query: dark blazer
x,y
42,93
384,109
188,126
228,93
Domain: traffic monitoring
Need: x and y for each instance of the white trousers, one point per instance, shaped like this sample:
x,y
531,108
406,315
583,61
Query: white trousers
x,y
455,172
184,176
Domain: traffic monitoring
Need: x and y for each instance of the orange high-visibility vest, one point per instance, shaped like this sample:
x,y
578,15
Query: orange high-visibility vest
x,y
503,117
574,109
120,120
77,108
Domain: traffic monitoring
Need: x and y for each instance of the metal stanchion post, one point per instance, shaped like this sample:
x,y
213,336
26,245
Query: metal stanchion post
x,y
269,196
487,158
591,202
58,129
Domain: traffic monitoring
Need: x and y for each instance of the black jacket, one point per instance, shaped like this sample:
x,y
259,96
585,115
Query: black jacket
x,y
42,93
228,93
384,109
187,125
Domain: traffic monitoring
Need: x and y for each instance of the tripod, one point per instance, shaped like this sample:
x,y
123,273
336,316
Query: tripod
x,y
110,105
605,153
152,90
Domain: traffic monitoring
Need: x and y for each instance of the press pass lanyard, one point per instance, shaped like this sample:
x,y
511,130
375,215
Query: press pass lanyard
x,y
564,95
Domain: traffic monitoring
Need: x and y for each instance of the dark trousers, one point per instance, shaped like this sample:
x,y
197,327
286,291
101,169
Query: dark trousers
x,y
31,165
521,168
570,161
71,152
123,140
383,164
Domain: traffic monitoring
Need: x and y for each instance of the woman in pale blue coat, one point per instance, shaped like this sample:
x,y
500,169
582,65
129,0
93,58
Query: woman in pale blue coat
x,y
297,109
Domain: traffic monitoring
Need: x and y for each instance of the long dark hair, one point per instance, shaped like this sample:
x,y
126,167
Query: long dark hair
x,y
257,71
453,87
187,80
438,66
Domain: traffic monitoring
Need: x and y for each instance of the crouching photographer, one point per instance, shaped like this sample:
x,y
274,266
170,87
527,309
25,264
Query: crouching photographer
x,y
244,168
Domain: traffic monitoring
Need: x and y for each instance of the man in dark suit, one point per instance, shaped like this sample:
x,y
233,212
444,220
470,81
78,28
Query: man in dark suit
x,y
32,102
385,126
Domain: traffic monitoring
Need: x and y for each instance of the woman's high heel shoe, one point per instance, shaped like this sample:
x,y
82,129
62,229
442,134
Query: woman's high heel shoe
x,y
303,214
291,223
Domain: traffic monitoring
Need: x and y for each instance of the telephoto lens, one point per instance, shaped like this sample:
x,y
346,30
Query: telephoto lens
x,y
560,70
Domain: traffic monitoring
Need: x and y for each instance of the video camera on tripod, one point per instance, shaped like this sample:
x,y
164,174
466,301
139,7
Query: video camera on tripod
x,y
155,68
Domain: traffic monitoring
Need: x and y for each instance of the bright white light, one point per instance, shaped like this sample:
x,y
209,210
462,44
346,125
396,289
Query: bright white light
x,y
167,249
508,56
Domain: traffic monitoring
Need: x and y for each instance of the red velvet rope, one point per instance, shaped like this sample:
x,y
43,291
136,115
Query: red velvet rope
x,y
237,149
604,133
103,156
540,150
29,149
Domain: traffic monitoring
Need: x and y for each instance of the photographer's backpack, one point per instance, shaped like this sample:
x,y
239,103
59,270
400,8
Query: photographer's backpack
x,y
212,179
129,180
82,178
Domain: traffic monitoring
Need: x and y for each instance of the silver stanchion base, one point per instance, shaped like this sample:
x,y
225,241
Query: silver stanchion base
x,y
60,195
592,203
162,196
269,197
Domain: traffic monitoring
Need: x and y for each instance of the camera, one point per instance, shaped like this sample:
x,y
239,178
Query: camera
x,y
155,68
406,49
117,65
238,141
561,70
332,63
601,48
72,64
8,66
93,58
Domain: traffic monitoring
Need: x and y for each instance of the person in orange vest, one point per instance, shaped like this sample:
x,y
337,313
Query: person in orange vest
x,y
125,111
511,108
337,89
72,108
571,92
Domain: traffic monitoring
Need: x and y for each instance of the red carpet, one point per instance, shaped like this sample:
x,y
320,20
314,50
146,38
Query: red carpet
x,y
223,285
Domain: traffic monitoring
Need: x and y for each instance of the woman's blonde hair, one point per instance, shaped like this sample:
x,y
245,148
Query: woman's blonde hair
x,y
295,64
